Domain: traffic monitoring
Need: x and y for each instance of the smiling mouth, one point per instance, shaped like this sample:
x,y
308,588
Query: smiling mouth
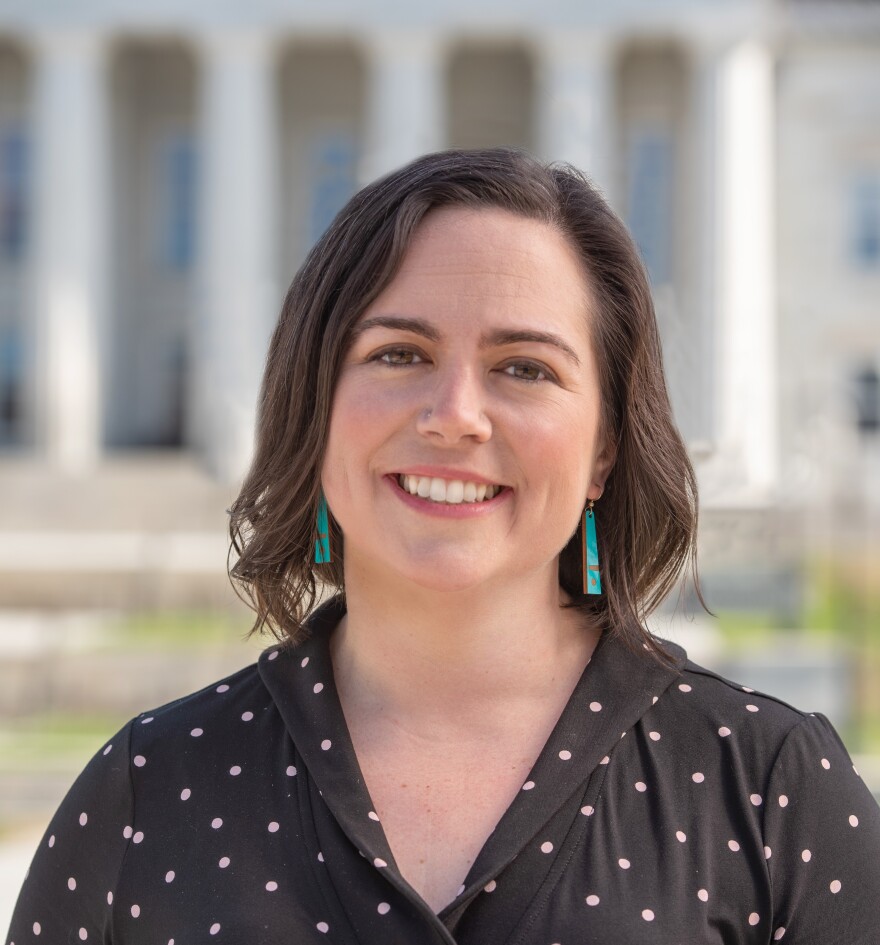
x,y
448,491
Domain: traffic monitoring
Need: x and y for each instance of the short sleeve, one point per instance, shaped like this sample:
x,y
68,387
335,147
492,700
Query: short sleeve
x,y
822,842
67,894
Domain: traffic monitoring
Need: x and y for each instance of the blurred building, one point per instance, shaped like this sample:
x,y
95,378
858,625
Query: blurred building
x,y
164,167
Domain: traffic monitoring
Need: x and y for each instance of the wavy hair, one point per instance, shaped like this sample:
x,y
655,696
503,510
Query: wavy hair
x,y
647,517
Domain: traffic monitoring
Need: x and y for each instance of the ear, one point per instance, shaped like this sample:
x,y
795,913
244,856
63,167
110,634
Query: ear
x,y
603,465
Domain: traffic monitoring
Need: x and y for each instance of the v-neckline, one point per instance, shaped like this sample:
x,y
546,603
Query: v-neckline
x,y
615,689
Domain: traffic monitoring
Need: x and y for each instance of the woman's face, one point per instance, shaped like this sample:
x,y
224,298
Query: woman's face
x,y
474,365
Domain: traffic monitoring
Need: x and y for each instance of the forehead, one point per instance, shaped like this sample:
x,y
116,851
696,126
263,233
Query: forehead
x,y
465,264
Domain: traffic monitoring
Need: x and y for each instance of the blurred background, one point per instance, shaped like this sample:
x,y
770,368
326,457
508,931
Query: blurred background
x,y
165,167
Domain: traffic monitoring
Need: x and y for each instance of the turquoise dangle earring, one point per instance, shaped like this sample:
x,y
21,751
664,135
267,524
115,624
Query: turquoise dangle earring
x,y
590,551
322,542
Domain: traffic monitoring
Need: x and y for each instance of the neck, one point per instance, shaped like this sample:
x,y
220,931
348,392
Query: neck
x,y
459,659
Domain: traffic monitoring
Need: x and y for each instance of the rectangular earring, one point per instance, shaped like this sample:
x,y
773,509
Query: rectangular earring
x,y
322,542
590,553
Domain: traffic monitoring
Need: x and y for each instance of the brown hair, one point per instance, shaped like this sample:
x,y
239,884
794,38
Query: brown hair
x,y
647,517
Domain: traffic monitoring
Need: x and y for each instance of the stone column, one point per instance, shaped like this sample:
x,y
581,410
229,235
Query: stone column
x,y
735,113
576,103
70,263
239,297
746,279
406,102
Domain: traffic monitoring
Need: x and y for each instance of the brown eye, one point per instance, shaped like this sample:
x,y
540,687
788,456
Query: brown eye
x,y
535,373
396,357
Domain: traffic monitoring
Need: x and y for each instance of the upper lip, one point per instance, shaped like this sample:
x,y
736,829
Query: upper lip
x,y
447,472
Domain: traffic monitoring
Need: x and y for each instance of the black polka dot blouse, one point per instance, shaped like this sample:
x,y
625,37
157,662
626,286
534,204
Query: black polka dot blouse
x,y
668,807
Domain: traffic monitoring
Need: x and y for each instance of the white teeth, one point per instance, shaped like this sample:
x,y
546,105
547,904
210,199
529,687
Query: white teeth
x,y
452,491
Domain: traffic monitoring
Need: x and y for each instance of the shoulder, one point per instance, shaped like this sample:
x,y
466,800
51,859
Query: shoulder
x,y
229,710
714,714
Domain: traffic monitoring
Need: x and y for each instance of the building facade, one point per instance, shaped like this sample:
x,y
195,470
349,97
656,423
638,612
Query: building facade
x,y
164,169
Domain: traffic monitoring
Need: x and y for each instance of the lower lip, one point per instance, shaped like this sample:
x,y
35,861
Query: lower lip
x,y
446,509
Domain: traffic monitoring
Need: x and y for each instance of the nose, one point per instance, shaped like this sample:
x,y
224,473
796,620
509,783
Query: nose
x,y
454,408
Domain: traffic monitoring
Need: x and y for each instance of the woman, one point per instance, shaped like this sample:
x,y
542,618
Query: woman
x,y
464,429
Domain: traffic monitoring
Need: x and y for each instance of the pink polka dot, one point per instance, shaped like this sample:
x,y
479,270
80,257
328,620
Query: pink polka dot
x,y
304,663
321,856
752,708
746,689
107,750
383,908
593,900
379,862
733,845
71,883
684,687
139,761
528,785
223,688
681,836
271,886
587,811
325,745
654,700
767,853
756,799
217,823
853,820
777,935
52,840
546,847
215,928
605,760
624,864
826,764
291,771
246,716
235,770
724,731
647,915
595,706
654,736
806,856
127,832
491,886
698,777
147,720
169,876
83,935
322,927
37,928
273,655
185,794
373,816
110,898
702,895
138,837
565,754
783,800
224,862
317,687
135,911
83,819
273,827
835,886
641,786
197,732
754,918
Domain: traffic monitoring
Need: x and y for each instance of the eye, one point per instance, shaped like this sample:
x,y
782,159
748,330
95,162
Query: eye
x,y
530,366
396,357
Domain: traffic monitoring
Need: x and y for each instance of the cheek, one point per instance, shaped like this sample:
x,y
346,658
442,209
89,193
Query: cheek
x,y
359,419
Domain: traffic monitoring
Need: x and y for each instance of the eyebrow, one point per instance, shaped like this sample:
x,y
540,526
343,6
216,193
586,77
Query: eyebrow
x,y
493,339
